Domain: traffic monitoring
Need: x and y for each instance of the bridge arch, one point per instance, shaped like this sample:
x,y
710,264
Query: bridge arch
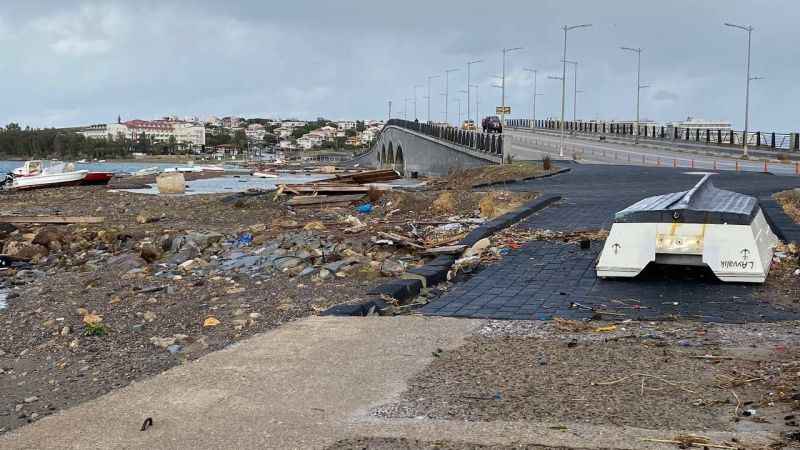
x,y
390,155
382,156
399,162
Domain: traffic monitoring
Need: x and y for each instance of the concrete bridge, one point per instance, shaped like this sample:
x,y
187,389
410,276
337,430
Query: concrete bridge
x,y
417,149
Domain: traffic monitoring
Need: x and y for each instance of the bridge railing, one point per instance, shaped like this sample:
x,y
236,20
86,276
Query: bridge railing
x,y
473,140
709,136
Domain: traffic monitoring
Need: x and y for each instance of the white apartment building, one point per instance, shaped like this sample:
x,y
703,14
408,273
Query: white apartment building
x,y
189,134
255,132
293,124
346,125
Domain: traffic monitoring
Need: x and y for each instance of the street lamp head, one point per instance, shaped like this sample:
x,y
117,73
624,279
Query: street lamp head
x,y
475,62
451,70
756,78
585,25
569,62
741,27
551,77
631,49
431,77
506,50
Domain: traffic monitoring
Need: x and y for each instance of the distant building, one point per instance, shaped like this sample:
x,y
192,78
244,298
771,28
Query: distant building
x,y
185,134
701,124
346,125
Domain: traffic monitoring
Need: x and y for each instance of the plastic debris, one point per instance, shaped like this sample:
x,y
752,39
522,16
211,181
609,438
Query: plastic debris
x,y
366,208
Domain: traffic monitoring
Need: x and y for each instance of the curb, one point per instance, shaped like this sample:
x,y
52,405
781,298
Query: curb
x,y
520,180
435,272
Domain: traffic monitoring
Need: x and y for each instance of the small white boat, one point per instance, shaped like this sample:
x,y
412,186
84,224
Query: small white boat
x,y
264,175
36,174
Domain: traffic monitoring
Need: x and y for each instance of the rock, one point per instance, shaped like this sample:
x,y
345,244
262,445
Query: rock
x,y
308,271
149,316
197,346
31,399
193,264
92,319
324,274
142,218
81,311
125,262
48,235
340,265
6,229
478,248
255,315
189,250
150,252
66,330
391,268
287,262
162,342
23,250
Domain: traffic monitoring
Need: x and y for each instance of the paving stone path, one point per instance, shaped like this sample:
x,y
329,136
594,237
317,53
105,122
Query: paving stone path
x,y
545,279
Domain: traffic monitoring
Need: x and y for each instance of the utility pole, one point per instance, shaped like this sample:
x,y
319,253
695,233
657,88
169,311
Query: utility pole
x,y
638,52
458,100
431,77
447,93
405,108
564,81
390,109
469,63
416,86
503,86
749,30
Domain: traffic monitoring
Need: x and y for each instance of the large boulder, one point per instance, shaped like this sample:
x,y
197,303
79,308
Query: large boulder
x,y
49,235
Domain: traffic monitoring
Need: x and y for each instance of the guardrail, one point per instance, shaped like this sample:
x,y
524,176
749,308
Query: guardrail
x,y
473,140
708,136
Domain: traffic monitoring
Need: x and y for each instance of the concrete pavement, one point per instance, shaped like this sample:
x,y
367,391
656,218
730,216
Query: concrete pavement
x,y
305,385
525,144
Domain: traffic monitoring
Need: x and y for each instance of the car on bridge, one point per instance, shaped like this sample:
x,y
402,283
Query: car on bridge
x,y
492,124
469,125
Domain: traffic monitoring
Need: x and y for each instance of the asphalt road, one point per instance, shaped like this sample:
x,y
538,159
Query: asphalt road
x,y
525,144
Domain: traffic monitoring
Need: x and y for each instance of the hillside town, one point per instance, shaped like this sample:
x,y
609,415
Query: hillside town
x,y
229,138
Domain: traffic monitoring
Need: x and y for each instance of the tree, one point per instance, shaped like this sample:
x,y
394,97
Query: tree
x,y
350,133
240,140
360,126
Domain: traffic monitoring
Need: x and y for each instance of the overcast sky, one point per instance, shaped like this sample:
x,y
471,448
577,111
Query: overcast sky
x,y
66,63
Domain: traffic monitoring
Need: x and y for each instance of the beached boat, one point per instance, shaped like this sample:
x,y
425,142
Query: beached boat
x,y
264,175
38,174
97,178
182,169
147,171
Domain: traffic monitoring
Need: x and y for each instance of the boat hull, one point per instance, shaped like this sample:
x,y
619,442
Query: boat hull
x,y
47,181
97,178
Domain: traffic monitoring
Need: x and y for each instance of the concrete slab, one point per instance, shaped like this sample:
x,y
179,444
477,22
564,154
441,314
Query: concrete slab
x,y
294,387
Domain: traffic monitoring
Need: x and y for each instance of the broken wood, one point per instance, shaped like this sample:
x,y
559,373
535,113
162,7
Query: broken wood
x,y
323,199
51,219
407,241
370,176
446,250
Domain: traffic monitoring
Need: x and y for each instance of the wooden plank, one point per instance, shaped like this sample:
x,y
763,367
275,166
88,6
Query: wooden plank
x,y
323,199
51,219
447,250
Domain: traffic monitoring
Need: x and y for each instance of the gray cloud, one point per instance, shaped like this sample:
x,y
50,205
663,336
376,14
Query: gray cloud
x,y
70,63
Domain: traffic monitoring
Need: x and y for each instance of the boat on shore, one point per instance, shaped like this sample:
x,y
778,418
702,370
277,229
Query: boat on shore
x,y
97,178
264,175
37,174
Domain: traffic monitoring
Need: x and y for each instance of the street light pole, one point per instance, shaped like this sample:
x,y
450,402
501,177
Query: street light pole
x,y
447,93
639,87
564,81
470,63
405,108
503,87
390,109
575,90
431,77
477,105
416,86
749,30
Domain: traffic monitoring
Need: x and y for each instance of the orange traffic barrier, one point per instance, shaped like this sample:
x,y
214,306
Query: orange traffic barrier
x,y
674,163
737,166
797,168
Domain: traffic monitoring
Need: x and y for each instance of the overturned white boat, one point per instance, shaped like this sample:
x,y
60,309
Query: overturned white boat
x,y
723,230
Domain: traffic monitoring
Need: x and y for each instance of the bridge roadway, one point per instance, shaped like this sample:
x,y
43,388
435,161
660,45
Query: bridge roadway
x,y
525,144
